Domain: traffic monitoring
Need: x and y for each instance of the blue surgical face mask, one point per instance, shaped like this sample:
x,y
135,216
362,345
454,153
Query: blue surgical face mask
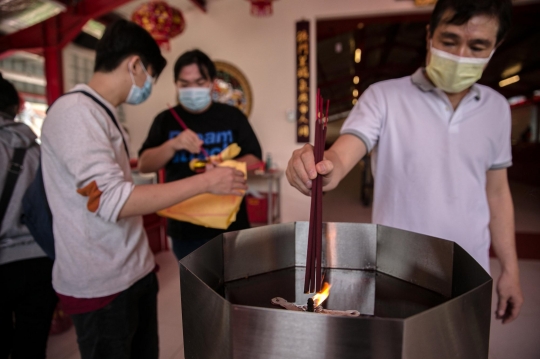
x,y
138,94
194,99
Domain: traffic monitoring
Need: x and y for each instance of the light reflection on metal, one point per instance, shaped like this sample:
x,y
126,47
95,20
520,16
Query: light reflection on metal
x,y
354,101
355,93
356,80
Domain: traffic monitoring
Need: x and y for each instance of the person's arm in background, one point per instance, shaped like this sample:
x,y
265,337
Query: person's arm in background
x,y
153,159
337,162
501,226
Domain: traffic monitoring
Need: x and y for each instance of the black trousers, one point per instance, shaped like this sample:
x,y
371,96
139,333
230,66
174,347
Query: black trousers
x,y
27,302
125,328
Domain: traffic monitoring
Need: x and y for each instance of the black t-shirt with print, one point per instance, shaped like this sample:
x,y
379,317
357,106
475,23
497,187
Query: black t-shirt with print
x,y
218,127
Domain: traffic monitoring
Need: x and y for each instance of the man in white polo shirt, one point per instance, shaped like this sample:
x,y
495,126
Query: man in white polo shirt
x,y
440,142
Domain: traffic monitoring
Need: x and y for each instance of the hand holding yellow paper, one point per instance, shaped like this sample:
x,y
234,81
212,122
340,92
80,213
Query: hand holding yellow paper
x,y
229,153
208,210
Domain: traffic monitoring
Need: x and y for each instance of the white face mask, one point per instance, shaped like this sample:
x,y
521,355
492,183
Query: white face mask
x,y
452,73
194,99
138,94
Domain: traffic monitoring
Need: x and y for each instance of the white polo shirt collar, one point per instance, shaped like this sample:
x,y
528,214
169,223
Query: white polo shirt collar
x,y
452,116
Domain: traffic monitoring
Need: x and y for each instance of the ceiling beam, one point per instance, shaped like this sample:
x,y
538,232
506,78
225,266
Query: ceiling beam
x,y
51,35
68,23
96,8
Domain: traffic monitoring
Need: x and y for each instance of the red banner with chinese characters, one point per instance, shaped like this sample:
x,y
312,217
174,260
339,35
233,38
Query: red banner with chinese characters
x,y
302,81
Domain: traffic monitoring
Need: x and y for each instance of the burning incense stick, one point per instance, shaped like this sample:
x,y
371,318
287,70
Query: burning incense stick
x,y
183,125
313,279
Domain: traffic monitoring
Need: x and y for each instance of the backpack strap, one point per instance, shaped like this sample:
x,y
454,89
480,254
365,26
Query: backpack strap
x,y
109,112
14,170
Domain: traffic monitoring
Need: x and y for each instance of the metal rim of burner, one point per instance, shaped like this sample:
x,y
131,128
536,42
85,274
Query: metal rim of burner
x,y
318,309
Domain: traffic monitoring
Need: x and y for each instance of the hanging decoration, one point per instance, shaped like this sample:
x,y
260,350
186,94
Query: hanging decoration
x,y
261,8
232,87
161,20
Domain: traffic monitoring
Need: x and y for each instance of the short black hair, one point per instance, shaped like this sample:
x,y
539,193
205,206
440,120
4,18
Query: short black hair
x,y
466,9
9,97
125,38
206,66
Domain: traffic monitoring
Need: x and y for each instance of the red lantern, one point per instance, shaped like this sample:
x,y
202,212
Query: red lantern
x,y
261,7
162,21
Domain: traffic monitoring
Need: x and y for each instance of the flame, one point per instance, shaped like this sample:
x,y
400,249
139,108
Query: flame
x,y
321,296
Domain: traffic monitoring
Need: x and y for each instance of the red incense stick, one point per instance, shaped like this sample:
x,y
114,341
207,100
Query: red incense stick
x,y
313,278
322,140
183,125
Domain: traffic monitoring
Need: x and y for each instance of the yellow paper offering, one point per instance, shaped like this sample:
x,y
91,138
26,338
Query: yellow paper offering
x,y
208,210
229,153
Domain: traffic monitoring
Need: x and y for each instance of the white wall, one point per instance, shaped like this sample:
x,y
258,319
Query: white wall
x,y
264,50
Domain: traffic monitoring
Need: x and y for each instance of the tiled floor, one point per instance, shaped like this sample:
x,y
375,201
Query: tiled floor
x,y
517,340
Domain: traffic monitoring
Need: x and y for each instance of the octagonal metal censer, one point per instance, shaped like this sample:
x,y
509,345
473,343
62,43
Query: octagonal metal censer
x,y
419,297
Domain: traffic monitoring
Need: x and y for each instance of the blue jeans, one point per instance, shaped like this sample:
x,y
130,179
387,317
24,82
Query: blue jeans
x,y
182,248
126,328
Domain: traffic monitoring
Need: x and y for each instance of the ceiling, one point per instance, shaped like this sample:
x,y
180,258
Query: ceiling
x,y
19,14
393,47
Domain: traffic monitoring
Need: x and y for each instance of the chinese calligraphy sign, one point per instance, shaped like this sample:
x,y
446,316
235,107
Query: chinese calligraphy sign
x,y
302,81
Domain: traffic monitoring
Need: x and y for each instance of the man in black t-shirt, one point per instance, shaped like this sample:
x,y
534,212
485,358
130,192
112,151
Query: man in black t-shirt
x,y
214,126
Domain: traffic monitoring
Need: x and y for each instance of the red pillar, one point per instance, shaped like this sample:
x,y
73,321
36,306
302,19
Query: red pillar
x,y
53,73
53,59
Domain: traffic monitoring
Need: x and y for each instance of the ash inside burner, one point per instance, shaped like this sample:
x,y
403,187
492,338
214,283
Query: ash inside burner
x,y
278,301
370,293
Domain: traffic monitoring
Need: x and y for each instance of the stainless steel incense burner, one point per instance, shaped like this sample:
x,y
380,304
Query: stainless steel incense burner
x,y
420,297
